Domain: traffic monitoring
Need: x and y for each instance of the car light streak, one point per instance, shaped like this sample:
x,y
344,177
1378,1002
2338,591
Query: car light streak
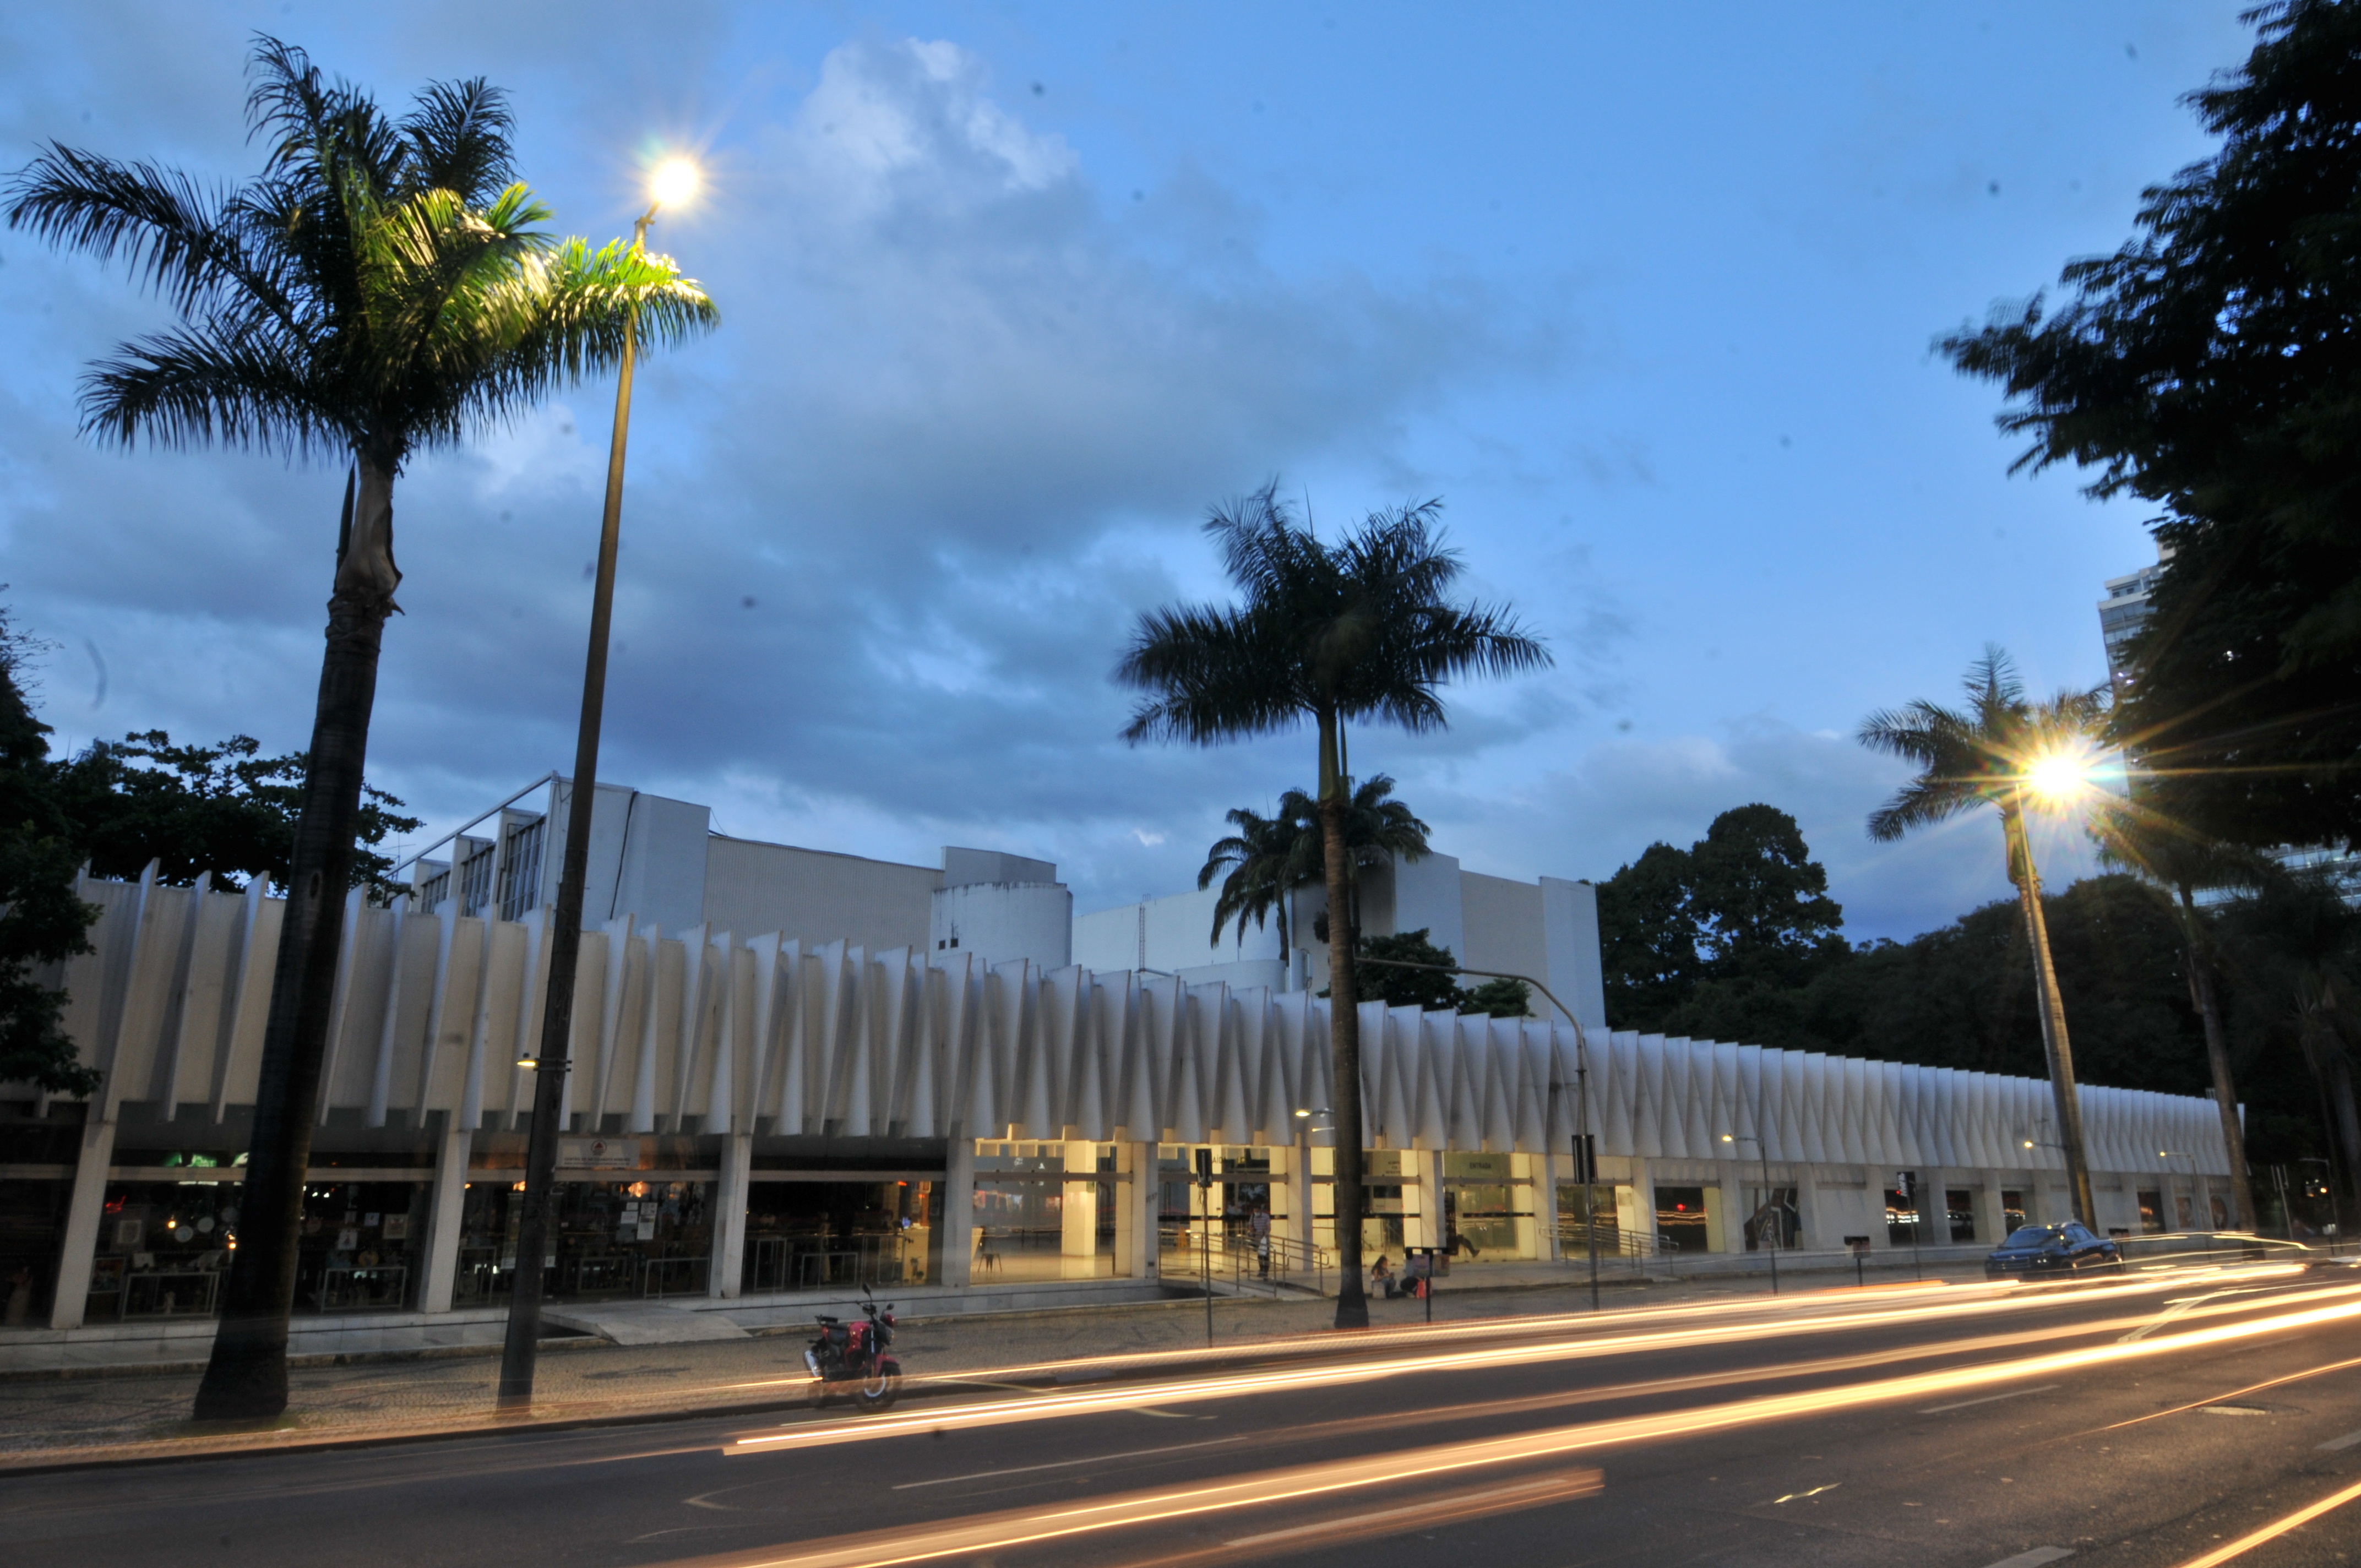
x,y
1100,1401
1025,1527
2274,1529
1018,1528
2249,1389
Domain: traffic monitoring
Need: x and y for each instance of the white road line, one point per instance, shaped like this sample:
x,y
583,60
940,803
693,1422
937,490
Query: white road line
x,y
2333,1444
2035,1558
2012,1394
1061,1464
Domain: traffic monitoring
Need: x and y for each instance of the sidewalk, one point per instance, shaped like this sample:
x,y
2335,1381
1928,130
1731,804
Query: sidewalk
x,y
101,1418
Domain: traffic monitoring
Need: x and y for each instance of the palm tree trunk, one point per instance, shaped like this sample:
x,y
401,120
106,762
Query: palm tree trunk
x,y
2202,996
246,1377
1343,1037
2052,1009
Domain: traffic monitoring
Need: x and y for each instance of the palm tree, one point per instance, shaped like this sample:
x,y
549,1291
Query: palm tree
x,y
1327,634
1999,752
2179,865
1270,857
378,288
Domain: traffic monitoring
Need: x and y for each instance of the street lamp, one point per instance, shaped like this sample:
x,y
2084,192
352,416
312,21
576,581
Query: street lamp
x,y
671,183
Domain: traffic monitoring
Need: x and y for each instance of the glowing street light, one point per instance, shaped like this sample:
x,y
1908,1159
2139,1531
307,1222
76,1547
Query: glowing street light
x,y
2060,779
670,182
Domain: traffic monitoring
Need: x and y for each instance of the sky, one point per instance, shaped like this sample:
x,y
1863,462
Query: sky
x,y
1013,293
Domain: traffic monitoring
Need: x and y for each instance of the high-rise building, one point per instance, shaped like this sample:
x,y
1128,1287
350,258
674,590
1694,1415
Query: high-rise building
x,y
2123,613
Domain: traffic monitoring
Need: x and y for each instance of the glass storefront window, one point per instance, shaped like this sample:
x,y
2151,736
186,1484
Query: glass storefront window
x,y
1960,1208
2012,1210
1680,1218
1902,1219
808,1235
32,1230
609,1239
2151,1209
361,1246
163,1249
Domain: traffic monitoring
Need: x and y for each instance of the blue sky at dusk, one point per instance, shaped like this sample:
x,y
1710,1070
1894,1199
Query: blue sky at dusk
x,y
1013,292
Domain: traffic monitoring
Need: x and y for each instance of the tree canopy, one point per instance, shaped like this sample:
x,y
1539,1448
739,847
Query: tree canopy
x,y
42,921
2210,366
1435,992
1745,906
224,808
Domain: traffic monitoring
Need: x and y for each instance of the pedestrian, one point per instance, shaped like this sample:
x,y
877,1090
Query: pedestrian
x,y
1381,1278
1258,1227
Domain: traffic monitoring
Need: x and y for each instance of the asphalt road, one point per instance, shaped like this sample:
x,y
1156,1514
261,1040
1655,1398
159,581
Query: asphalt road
x,y
2148,1422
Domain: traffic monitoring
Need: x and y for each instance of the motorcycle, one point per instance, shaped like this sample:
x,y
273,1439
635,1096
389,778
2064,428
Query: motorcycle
x,y
853,1358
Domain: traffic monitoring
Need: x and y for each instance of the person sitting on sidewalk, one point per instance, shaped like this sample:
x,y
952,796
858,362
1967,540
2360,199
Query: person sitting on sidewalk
x,y
1381,1278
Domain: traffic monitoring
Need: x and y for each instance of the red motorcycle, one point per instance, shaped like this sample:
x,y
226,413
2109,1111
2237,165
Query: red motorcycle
x,y
853,1359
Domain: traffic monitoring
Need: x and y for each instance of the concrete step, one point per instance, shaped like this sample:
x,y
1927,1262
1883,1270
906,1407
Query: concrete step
x,y
643,1322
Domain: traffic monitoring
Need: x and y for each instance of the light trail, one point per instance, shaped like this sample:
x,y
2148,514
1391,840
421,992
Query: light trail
x,y
2275,1529
1100,1400
2250,1388
1023,1526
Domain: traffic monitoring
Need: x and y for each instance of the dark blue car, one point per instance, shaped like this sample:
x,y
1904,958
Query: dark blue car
x,y
2040,1251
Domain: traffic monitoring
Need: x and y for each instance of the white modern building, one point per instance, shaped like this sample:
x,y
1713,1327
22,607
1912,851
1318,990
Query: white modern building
x,y
1547,929
660,862
756,1113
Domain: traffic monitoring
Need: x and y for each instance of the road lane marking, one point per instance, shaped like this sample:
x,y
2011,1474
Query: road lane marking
x,y
1548,1486
1813,1493
2274,1529
2234,1410
2333,1444
2035,1558
1063,1463
2012,1394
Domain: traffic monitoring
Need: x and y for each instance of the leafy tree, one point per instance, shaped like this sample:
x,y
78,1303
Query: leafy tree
x,y
1427,987
1326,634
42,921
380,289
1986,755
1647,940
2206,367
1760,900
1745,906
224,808
2179,865
1433,989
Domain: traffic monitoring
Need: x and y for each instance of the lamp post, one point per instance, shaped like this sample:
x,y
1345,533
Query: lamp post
x,y
1582,1083
674,182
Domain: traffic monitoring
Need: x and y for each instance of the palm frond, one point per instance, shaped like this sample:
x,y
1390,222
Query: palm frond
x,y
459,139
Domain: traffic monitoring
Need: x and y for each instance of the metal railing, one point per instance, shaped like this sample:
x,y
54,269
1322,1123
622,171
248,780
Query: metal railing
x,y
1235,1261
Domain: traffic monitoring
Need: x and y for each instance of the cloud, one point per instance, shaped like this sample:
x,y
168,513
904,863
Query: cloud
x,y
1623,794
884,533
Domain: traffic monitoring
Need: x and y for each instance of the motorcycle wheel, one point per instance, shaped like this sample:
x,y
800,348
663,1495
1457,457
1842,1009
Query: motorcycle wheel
x,y
878,1391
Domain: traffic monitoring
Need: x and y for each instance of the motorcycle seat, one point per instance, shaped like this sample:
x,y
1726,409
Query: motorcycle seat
x,y
826,1318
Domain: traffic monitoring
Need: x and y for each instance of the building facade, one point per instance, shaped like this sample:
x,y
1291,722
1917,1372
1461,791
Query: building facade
x,y
748,1114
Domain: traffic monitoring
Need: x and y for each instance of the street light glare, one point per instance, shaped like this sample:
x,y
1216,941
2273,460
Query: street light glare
x,y
673,181
2058,778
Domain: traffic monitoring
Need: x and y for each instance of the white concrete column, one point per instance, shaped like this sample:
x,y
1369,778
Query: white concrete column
x,y
726,1278
1813,1233
1726,1208
84,1210
1933,1208
446,1206
1301,1222
1078,1214
1643,1205
959,1207
1546,1171
1992,1225
1136,1203
1427,1166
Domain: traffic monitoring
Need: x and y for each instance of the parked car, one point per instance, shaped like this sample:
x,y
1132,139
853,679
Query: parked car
x,y
2041,1251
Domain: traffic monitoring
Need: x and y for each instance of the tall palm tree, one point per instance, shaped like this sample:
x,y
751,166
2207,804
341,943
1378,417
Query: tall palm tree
x,y
378,288
2181,864
1327,634
1270,857
1996,752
